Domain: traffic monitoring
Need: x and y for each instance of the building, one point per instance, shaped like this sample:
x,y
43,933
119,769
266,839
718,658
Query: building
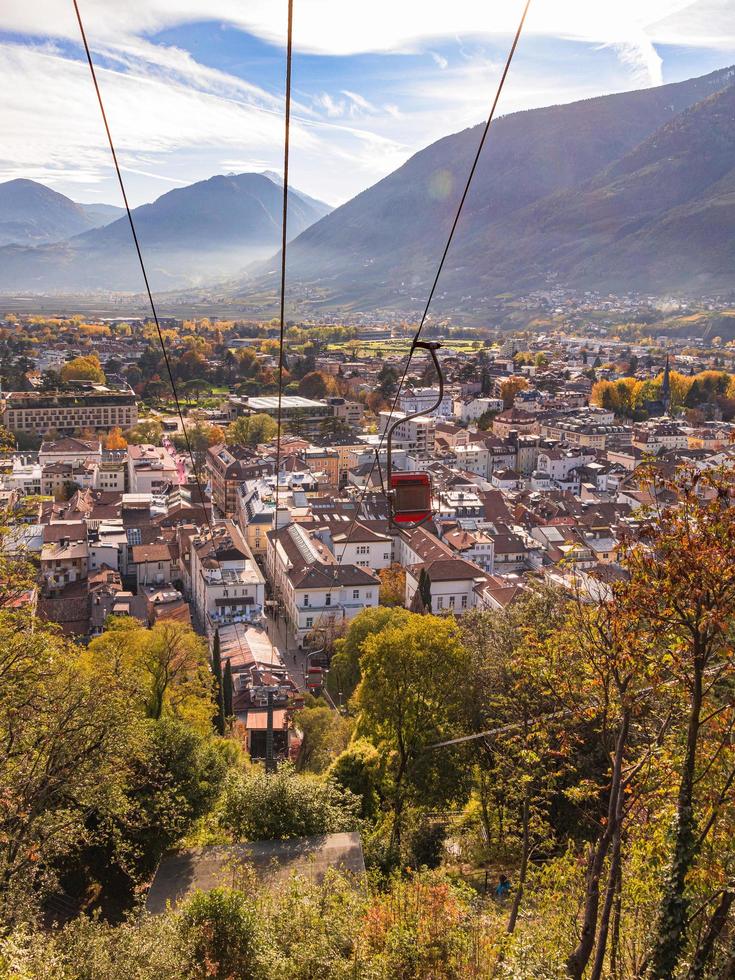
x,y
311,588
348,411
423,400
85,405
70,451
453,583
414,434
228,467
226,584
300,415
514,420
150,469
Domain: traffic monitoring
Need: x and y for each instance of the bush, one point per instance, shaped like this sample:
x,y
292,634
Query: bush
x,y
223,932
260,806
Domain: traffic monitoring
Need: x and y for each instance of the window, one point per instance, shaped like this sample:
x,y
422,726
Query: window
x,y
368,595
440,602
309,622
452,600
386,557
355,593
464,601
306,600
328,599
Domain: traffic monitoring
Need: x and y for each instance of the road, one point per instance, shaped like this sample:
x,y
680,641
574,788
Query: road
x,y
293,658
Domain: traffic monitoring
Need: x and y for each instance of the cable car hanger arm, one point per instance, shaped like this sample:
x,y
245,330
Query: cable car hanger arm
x,y
431,346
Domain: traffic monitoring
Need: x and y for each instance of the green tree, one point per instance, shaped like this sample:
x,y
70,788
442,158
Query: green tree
x,y
424,589
223,930
65,738
227,690
145,432
325,733
219,716
249,430
408,699
164,669
344,673
359,769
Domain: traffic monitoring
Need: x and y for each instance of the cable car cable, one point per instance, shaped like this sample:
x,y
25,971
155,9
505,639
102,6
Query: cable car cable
x,y
131,222
286,143
453,228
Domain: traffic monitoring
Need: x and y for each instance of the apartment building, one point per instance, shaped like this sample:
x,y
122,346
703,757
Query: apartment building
x,y
228,467
413,434
150,469
85,406
311,588
226,584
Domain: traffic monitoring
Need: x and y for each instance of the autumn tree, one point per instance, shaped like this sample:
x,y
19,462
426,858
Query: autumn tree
x,y
392,585
115,439
86,368
317,384
510,388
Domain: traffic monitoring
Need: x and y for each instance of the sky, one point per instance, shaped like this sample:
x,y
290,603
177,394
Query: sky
x,y
194,88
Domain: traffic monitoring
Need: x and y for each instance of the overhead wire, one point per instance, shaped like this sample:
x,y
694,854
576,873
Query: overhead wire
x,y
284,237
455,222
154,311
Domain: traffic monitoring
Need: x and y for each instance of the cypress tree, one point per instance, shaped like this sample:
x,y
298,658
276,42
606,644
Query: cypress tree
x,y
227,690
219,717
425,589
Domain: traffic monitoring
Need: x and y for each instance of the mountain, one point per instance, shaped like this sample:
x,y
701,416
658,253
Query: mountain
x,y
552,201
102,214
192,234
33,214
318,205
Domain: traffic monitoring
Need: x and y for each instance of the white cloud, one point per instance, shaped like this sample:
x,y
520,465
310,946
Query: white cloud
x,y
439,60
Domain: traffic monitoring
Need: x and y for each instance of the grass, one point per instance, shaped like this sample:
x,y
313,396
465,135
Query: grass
x,y
398,345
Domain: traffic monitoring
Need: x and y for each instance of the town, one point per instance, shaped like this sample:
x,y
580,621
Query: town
x,y
269,544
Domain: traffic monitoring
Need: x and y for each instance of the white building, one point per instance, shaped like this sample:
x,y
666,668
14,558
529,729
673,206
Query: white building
x,y
150,468
311,588
422,399
470,409
418,433
226,584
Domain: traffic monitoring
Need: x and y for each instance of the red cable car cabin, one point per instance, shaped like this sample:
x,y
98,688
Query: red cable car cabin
x,y
410,498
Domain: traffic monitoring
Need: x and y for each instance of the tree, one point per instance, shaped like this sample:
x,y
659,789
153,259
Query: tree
x,y
164,669
227,690
387,382
317,384
324,734
408,699
87,368
392,585
424,589
115,439
249,430
145,432
345,666
358,769
219,716
682,592
65,738
510,388
225,935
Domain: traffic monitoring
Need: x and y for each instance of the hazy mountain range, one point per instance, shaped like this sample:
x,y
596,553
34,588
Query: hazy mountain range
x,y
32,214
631,191
634,191
190,235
